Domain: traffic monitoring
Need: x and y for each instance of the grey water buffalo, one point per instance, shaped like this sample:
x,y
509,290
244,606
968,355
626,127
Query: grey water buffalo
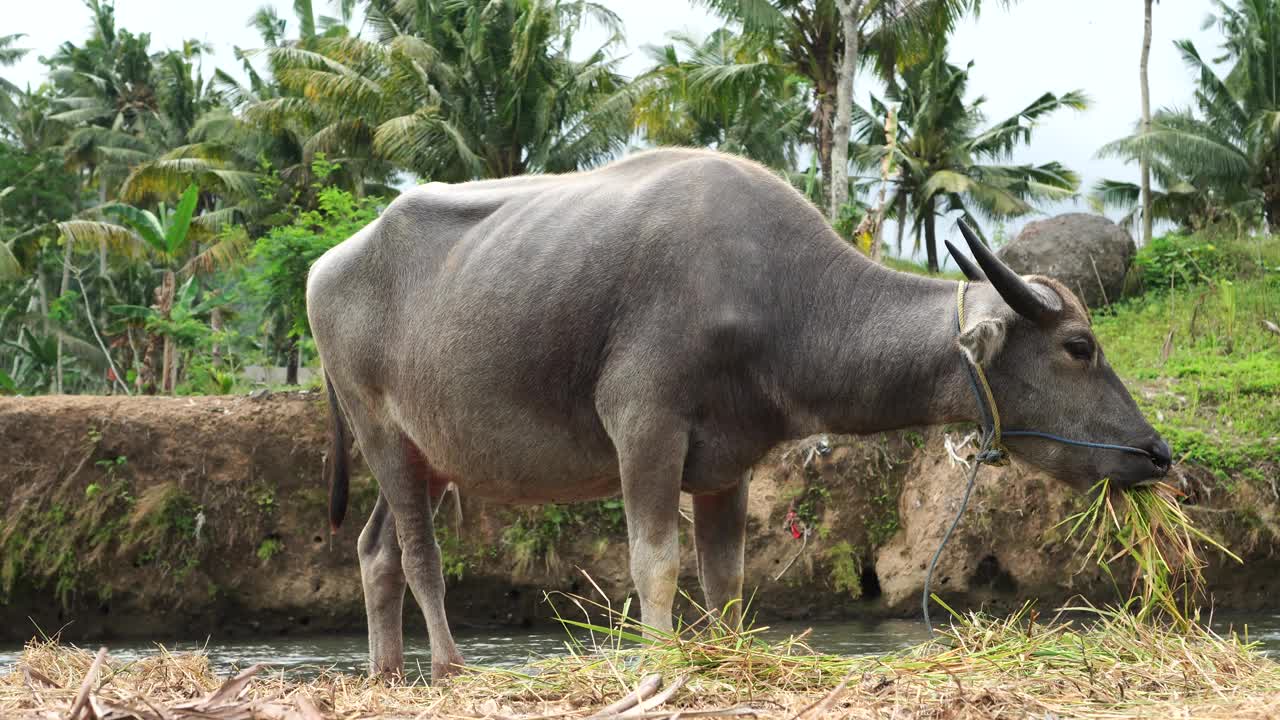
x,y
651,327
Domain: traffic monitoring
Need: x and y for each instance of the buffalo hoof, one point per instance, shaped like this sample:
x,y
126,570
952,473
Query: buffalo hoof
x,y
444,670
387,676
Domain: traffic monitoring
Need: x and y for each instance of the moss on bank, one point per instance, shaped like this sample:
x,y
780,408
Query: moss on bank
x,y
68,539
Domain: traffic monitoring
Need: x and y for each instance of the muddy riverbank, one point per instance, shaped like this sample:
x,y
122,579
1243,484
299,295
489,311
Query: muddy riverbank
x,y
136,517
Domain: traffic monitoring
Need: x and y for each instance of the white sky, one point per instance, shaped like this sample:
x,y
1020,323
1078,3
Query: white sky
x,y
1037,45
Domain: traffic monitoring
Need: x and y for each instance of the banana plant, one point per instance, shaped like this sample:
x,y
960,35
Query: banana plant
x,y
173,242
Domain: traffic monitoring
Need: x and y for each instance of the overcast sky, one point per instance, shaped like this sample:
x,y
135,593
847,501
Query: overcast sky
x,y
1038,45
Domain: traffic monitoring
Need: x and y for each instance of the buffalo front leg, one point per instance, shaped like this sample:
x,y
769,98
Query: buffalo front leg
x,y
651,466
383,580
404,478
720,532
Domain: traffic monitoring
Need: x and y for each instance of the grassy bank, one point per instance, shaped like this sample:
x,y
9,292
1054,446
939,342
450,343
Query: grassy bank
x,y
1104,667
1199,353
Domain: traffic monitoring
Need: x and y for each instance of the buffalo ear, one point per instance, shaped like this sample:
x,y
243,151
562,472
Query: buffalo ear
x,y
983,341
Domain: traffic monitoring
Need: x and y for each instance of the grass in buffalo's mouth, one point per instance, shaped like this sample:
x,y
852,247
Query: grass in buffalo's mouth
x,y
1147,527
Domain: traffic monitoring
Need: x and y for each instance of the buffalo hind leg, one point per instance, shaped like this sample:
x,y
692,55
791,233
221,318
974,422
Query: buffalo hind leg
x,y
651,465
383,580
720,532
405,481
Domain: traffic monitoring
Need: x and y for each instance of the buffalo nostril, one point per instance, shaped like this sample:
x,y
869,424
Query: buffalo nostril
x,y
1161,455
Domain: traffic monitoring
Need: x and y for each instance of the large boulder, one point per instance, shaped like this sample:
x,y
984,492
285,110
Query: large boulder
x,y
1088,253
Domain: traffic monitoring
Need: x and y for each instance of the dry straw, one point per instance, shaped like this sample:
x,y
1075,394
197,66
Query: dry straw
x,y
1109,664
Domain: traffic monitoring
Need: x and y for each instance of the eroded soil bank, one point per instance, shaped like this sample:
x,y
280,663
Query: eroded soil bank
x,y
145,517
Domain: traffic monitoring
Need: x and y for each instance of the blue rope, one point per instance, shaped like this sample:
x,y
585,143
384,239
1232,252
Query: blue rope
x,y
1079,443
933,564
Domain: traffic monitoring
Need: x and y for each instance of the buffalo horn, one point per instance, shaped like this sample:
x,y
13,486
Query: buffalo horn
x,y
1038,307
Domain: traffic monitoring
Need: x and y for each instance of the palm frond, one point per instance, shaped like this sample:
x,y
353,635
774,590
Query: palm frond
x,y
91,233
225,252
10,268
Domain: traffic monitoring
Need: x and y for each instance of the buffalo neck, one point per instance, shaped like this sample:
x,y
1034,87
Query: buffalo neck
x,y
877,350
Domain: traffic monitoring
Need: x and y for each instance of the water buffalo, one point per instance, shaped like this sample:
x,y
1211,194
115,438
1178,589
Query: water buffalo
x,y
651,327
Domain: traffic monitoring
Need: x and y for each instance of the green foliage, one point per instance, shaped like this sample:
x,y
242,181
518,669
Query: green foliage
x,y
1216,395
269,548
457,91
535,533
729,92
1178,259
846,569
64,542
454,553
43,191
282,258
808,504
1213,164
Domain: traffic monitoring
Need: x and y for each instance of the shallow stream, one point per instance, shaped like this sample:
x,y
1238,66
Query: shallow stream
x,y
513,647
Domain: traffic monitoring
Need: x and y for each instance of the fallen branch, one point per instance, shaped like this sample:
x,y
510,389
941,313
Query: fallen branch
x,y
649,685
82,696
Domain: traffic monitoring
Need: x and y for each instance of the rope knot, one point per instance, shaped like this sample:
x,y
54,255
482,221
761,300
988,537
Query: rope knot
x,y
995,456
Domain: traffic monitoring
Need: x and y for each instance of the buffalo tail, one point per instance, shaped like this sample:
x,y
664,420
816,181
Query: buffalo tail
x,y
337,462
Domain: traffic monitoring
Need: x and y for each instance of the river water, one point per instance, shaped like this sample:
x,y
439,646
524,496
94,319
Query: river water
x,y
513,647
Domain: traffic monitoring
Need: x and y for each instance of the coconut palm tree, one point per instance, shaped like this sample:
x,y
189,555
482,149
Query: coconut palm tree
x,y
811,41
949,162
727,92
1226,148
456,90
9,54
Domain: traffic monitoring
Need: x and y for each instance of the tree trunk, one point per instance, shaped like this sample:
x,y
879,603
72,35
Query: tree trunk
x,y
164,306
822,121
1145,161
215,324
1271,207
930,235
849,11
902,218
291,364
66,286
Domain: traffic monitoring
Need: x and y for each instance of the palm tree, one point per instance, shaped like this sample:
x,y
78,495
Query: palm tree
x,y
456,90
8,56
948,162
1227,147
811,42
726,92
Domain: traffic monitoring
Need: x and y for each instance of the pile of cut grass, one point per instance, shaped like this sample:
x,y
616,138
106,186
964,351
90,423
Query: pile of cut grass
x,y
1108,665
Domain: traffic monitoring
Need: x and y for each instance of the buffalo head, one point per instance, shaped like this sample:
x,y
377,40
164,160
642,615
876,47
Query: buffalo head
x,y
1048,373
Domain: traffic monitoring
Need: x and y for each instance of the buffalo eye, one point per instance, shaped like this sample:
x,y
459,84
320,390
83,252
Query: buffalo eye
x,y
1080,348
